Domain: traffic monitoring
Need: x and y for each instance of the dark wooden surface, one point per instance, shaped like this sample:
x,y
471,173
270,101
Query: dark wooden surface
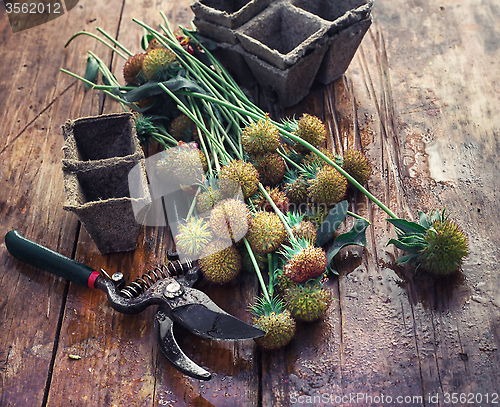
x,y
420,99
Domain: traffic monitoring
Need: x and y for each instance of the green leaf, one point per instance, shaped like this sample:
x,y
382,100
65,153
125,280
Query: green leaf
x,y
146,40
406,226
409,258
91,71
407,247
331,223
424,220
356,236
152,88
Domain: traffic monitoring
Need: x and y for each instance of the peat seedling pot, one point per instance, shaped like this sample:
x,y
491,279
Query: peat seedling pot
x,y
277,36
228,13
99,153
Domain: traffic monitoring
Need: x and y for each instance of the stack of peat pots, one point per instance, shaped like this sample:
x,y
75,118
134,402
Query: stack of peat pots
x,y
99,154
284,45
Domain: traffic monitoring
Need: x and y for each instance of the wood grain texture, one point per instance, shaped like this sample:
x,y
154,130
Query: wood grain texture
x,y
420,99
37,100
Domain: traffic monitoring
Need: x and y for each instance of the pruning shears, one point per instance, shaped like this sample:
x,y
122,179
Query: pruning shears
x,y
177,300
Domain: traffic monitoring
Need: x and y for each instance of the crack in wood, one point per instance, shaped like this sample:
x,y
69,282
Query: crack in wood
x,y
38,115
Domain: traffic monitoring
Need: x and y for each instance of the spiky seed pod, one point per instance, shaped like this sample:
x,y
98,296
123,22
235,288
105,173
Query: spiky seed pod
x,y
277,322
357,165
220,263
266,232
181,128
311,129
238,174
157,61
189,164
280,330
132,68
165,165
207,200
153,44
284,282
296,189
305,230
445,249
329,186
312,159
229,219
435,243
260,138
316,214
193,237
278,197
305,262
306,303
271,168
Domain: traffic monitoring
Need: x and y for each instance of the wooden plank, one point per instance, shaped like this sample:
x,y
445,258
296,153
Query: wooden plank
x,y
420,98
37,100
121,363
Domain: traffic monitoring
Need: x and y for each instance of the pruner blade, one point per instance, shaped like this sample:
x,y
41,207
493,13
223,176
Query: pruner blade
x,y
214,323
164,332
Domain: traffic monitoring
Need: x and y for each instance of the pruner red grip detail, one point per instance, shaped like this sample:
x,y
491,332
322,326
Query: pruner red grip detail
x,y
93,276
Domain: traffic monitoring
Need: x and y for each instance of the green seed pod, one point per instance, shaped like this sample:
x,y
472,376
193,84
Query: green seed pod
x,y
156,62
219,263
193,237
306,303
329,186
445,249
279,327
266,232
229,220
271,168
357,165
310,129
238,174
260,138
181,128
133,68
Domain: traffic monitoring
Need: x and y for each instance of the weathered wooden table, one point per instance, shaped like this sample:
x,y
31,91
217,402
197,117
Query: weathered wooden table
x,y
420,98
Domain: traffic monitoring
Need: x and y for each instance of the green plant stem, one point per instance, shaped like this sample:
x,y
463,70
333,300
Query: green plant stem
x,y
97,38
257,270
356,216
103,89
277,211
190,114
289,161
297,139
109,37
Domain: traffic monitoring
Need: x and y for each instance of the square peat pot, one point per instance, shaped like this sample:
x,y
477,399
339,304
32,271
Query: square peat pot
x,y
290,85
282,34
99,153
339,13
341,49
228,13
215,32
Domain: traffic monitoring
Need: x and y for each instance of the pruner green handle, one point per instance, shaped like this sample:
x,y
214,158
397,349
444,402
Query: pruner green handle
x,y
49,260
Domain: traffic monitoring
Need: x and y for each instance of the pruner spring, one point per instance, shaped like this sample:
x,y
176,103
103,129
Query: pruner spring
x,y
173,268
